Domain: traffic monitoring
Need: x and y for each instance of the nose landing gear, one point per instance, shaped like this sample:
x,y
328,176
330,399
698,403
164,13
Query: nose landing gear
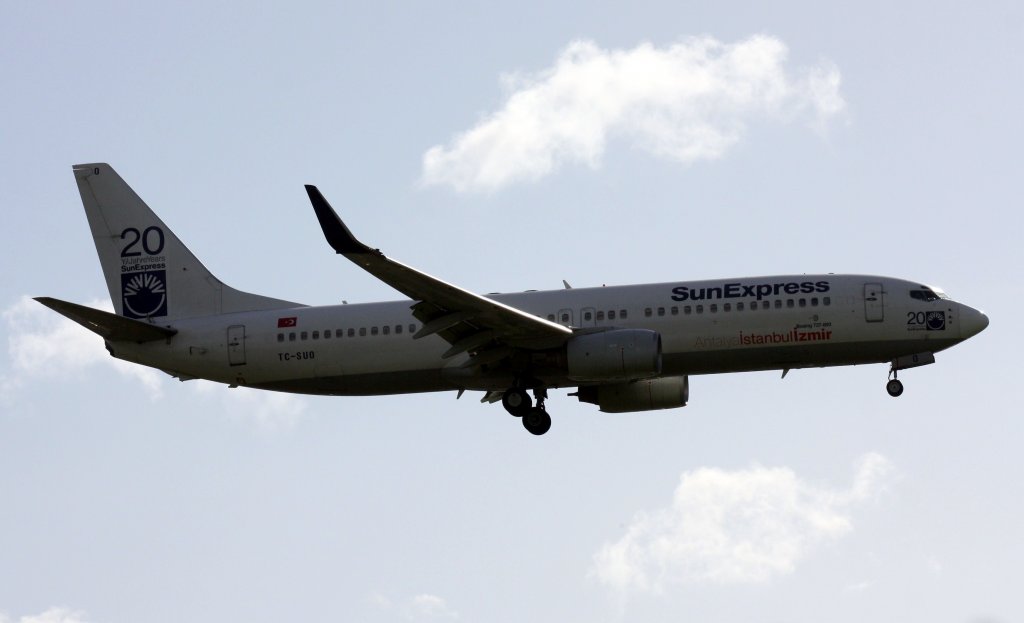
x,y
894,386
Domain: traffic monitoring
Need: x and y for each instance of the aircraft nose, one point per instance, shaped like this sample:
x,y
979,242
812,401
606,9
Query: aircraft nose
x,y
972,322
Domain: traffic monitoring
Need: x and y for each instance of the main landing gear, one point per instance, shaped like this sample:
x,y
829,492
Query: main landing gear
x,y
894,386
535,418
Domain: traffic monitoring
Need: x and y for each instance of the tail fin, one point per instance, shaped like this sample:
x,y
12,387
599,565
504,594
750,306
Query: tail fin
x,y
150,274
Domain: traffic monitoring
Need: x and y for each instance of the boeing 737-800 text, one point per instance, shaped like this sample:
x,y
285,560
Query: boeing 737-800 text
x,y
624,348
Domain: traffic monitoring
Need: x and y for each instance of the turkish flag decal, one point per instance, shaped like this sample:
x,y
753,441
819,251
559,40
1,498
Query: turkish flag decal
x,y
284,323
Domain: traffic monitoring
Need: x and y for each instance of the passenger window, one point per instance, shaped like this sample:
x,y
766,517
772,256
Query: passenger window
x,y
291,337
714,308
700,309
316,335
739,306
611,314
661,311
778,304
386,330
398,329
304,335
648,312
362,331
412,328
600,316
565,318
622,314
327,334
803,302
727,307
687,310
351,332
587,316
675,311
814,302
789,303
551,317
827,300
373,331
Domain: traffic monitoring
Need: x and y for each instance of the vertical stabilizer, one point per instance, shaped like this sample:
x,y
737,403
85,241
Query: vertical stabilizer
x,y
150,274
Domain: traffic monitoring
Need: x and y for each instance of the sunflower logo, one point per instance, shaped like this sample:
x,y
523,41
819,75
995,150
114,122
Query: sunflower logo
x,y
144,294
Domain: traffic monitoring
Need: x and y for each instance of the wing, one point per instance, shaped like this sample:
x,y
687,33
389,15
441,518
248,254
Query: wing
x,y
469,322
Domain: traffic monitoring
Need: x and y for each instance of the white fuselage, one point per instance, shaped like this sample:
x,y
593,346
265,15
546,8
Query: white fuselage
x,y
733,325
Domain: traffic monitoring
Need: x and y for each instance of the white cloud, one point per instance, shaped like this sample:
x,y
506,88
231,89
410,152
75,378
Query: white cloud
x,y
42,343
422,607
744,526
268,411
857,587
432,607
689,101
52,615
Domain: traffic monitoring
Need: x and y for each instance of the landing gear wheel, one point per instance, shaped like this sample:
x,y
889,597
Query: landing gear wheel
x,y
894,387
537,421
516,401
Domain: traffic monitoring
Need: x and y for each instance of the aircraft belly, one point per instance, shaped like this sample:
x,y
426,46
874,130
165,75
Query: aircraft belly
x,y
381,383
794,356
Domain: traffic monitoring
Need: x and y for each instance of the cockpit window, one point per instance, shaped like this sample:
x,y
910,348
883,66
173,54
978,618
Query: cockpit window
x,y
925,293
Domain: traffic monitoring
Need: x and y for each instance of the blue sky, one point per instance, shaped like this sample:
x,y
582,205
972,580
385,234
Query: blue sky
x,y
506,147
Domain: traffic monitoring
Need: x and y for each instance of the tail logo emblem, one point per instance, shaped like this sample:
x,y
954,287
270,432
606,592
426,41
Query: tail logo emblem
x,y
144,294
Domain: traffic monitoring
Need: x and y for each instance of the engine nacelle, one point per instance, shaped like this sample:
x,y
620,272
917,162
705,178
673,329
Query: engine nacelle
x,y
668,392
616,355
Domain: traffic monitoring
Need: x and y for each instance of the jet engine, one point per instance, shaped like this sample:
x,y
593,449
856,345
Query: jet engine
x,y
616,355
647,395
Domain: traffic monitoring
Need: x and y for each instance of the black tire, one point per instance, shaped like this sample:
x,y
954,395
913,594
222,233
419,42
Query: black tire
x,y
894,387
537,421
516,401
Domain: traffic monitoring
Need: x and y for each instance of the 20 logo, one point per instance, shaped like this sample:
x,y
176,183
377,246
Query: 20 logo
x,y
143,292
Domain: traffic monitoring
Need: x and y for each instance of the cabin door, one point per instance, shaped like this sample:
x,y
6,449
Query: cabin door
x,y
874,302
236,345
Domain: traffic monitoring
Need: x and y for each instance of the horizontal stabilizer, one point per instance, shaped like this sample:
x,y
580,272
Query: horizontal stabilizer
x,y
107,325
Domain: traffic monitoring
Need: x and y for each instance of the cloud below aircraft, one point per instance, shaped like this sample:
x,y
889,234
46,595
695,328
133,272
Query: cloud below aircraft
x,y
734,527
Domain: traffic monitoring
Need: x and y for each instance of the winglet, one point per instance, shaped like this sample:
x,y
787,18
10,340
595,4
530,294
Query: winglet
x,y
337,234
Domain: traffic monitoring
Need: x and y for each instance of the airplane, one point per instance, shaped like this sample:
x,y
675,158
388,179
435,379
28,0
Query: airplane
x,y
623,348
